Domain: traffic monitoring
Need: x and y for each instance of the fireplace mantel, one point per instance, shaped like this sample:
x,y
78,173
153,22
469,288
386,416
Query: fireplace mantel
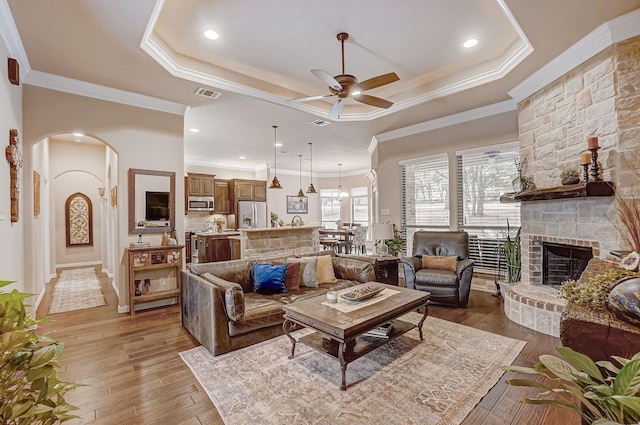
x,y
580,190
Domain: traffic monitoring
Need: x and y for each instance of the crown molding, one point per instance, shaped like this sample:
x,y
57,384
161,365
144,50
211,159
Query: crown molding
x,y
372,145
223,165
461,117
607,34
170,60
11,38
82,88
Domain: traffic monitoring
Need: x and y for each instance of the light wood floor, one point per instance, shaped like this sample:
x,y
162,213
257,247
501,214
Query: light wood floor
x,y
134,374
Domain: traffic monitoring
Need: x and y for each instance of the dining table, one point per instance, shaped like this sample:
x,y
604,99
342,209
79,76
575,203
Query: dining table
x,y
344,236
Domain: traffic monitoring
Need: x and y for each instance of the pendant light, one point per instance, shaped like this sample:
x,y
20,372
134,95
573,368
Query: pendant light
x,y
300,192
340,193
275,183
311,189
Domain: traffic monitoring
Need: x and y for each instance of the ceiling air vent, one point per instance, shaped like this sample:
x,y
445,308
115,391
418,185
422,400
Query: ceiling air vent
x,y
320,123
208,93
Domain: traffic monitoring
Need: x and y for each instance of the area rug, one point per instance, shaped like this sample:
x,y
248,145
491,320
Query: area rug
x,y
409,382
76,289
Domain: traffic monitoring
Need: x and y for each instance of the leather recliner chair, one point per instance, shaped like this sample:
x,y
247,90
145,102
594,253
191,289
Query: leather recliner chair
x,y
446,286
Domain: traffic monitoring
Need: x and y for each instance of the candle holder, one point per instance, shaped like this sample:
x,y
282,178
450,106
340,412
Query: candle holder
x,y
585,167
595,169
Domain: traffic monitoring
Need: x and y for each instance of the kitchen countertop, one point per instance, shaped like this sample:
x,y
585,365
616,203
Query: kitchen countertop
x,y
220,234
284,228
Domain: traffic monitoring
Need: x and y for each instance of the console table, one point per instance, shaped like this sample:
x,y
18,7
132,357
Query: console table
x,y
155,265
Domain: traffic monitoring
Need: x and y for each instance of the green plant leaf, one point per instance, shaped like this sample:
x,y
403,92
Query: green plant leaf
x,y
552,402
581,362
632,403
43,355
605,422
520,369
628,380
561,368
19,408
608,366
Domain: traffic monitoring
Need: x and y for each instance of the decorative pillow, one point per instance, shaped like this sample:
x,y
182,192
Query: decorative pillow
x,y
233,296
309,275
292,277
441,263
325,270
269,278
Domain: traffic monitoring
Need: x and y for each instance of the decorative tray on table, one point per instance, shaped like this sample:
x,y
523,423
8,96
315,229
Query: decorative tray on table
x,y
362,293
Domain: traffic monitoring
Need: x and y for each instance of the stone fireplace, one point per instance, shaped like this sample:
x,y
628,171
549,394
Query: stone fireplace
x,y
600,97
565,258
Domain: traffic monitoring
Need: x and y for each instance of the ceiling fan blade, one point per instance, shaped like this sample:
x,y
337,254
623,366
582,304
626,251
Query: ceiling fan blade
x,y
309,98
378,81
373,101
336,108
326,78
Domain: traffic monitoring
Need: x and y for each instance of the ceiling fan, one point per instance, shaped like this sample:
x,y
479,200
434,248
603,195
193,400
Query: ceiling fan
x,y
345,85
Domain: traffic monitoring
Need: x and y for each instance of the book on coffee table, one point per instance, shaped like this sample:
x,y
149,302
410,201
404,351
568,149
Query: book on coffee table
x,y
382,331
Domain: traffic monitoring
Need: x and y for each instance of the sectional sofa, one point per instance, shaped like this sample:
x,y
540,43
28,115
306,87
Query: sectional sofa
x,y
223,312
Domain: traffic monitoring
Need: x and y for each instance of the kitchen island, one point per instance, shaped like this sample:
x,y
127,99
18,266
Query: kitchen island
x,y
278,241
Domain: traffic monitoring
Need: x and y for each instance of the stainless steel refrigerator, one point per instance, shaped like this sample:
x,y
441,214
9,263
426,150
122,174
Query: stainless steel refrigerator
x,y
252,215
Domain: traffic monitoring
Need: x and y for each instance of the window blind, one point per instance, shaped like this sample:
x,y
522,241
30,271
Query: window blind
x,y
425,195
484,175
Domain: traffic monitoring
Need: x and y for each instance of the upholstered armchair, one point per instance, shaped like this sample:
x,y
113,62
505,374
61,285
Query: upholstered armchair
x,y
440,265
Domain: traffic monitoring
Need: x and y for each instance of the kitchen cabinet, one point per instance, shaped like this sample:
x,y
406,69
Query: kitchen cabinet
x,y
221,197
187,245
154,273
212,248
250,190
200,185
235,249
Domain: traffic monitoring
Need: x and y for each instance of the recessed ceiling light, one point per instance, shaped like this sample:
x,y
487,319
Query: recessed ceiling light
x,y
211,35
194,130
77,134
278,144
470,43
242,157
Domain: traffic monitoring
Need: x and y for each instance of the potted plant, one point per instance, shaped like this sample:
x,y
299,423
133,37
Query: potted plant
x,y
396,244
274,219
569,176
30,391
577,383
512,252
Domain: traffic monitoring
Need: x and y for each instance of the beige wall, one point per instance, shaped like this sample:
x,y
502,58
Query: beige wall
x,y
76,167
141,138
473,134
12,246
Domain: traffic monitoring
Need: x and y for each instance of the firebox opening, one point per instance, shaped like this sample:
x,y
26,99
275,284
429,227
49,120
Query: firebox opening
x,y
563,262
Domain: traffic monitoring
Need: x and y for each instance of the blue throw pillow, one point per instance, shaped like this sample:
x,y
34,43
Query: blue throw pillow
x,y
269,278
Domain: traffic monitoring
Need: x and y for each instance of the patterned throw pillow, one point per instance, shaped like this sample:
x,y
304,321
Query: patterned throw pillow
x,y
309,275
441,263
269,278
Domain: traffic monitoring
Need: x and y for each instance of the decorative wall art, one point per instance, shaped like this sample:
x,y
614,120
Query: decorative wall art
x,y
36,193
14,157
114,196
79,220
297,205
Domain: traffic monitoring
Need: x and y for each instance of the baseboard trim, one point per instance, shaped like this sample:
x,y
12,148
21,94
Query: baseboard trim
x,y
123,309
53,276
39,299
115,288
87,263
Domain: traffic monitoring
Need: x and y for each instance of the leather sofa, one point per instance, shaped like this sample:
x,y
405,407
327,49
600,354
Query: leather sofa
x,y
446,286
221,311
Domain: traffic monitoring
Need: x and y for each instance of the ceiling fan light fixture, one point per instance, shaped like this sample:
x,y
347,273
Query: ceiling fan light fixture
x,y
275,183
300,192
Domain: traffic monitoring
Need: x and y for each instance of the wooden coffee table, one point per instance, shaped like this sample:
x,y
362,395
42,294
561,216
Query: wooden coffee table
x,y
340,334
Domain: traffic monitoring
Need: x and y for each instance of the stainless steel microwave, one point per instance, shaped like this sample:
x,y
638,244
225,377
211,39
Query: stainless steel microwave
x,y
200,203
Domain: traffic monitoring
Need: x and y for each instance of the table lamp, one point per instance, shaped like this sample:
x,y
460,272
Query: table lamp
x,y
382,232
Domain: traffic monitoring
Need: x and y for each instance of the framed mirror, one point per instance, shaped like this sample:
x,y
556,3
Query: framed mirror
x,y
152,201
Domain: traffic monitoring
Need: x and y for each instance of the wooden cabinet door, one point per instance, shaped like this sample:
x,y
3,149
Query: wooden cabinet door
x,y
259,190
195,186
244,190
220,249
206,186
221,197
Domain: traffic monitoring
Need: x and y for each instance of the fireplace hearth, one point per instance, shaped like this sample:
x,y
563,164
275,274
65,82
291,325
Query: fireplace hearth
x,y
563,262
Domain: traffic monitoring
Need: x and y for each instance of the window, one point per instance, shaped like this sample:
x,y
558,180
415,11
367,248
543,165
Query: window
x,y
425,195
483,175
360,206
330,208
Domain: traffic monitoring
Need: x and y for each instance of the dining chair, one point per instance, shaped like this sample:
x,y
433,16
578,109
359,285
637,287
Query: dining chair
x,y
359,240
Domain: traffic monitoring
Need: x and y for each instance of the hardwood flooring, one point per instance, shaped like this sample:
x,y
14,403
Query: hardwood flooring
x,y
134,375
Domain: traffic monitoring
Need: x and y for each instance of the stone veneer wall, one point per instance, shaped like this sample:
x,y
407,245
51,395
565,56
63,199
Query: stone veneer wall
x,y
279,242
600,97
